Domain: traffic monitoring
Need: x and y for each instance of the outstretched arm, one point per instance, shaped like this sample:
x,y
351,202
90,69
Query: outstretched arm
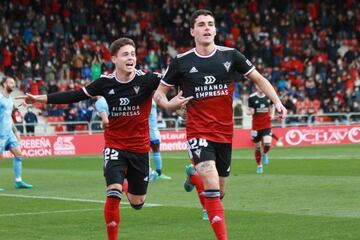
x,y
174,104
269,91
272,112
55,98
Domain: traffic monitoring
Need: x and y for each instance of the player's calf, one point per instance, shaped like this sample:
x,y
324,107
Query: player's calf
x,y
215,211
112,212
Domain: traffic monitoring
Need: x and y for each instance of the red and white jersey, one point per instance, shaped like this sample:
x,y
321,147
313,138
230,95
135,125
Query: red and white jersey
x,y
209,79
129,108
262,107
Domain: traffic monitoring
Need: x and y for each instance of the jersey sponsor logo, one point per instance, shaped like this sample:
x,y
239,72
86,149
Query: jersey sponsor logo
x,y
111,92
124,101
209,79
227,65
136,89
211,90
193,70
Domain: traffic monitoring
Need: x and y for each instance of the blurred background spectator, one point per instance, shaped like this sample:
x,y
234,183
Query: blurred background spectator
x,y
18,120
309,50
30,120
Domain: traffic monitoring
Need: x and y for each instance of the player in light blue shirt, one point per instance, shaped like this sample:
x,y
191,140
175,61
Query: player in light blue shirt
x,y
155,144
9,135
102,108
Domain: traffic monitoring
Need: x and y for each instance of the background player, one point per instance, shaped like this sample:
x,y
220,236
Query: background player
x,y
205,74
9,135
128,93
155,145
262,111
102,108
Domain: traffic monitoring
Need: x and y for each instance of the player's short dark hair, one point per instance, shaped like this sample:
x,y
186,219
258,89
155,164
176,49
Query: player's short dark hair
x,y
3,80
197,13
119,43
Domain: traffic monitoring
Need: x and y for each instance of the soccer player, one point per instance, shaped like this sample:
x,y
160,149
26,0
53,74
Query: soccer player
x,y
155,145
262,111
9,135
205,75
128,93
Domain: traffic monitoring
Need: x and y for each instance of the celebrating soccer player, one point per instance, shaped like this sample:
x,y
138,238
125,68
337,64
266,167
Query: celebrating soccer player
x,y
205,75
128,92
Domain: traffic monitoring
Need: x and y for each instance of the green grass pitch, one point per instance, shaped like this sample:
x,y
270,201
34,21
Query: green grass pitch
x,y
305,193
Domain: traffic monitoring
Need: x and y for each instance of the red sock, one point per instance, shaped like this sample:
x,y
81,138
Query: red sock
x,y
258,156
196,180
112,217
216,215
266,147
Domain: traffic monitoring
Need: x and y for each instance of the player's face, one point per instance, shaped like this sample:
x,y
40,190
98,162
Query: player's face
x,y
125,59
10,85
204,30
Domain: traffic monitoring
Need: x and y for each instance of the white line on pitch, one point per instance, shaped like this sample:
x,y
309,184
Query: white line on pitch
x,y
69,199
49,212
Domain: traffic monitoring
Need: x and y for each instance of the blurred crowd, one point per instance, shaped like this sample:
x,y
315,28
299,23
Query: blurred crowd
x,y
309,50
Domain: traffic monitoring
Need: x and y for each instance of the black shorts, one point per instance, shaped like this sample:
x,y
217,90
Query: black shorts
x,y
257,135
120,164
201,150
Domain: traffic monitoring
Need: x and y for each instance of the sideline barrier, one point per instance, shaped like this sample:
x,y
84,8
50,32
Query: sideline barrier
x,y
176,140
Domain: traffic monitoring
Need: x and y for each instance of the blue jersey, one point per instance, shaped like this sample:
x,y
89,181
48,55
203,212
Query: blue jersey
x,y
6,107
153,117
153,126
102,106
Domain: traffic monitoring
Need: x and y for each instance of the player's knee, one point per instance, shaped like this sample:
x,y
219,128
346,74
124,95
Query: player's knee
x,y
137,206
114,193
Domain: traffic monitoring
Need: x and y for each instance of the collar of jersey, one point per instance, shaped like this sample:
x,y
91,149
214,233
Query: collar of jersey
x,y
122,82
257,93
207,56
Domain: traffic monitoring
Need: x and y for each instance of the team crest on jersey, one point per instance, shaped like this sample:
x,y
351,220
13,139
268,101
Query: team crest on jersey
x,y
136,89
227,65
111,92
